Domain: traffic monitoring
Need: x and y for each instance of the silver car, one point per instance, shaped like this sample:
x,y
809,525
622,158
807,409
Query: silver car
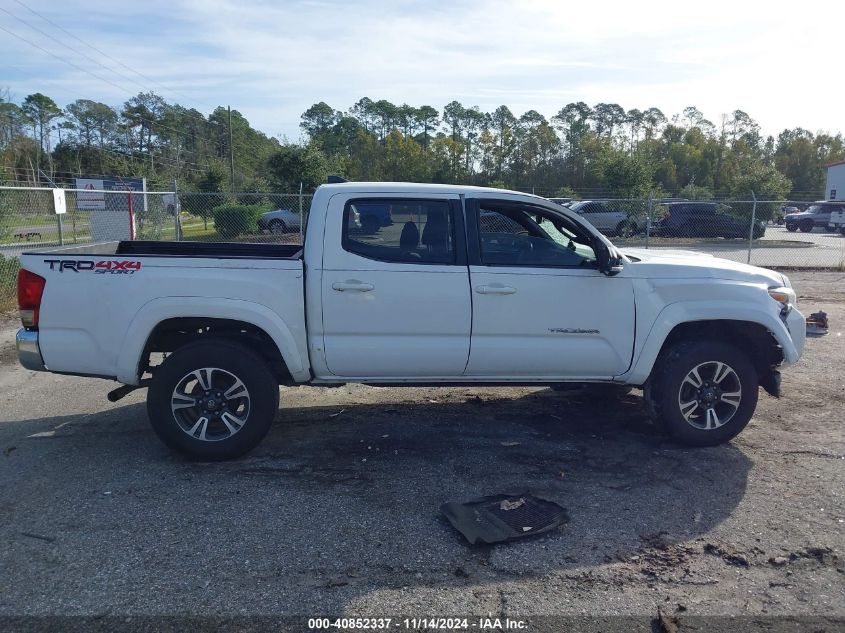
x,y
607,221
281,220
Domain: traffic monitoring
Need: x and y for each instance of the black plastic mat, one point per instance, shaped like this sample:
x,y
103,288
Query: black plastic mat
x,y
504,517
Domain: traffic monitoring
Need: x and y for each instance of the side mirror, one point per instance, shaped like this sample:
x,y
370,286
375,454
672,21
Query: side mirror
x,y
610,261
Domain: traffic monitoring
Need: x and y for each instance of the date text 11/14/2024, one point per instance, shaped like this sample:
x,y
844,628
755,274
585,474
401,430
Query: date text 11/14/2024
x,y
421,623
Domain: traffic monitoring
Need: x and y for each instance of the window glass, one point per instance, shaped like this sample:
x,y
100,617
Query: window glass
x,y
410,231
527,236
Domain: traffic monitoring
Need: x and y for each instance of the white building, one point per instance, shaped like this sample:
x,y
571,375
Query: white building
x,y
835,188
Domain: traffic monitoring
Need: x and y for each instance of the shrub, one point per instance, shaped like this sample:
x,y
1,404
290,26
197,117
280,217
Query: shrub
x,y
232,220
9,267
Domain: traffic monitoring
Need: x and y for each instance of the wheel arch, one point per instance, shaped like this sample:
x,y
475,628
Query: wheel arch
x,y
171,322
763,336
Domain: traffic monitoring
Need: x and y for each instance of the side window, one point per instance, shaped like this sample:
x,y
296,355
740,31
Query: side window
x,y
396,230
528,236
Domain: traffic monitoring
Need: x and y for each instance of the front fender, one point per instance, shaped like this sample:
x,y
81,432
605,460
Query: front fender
x,y
689,311
154,312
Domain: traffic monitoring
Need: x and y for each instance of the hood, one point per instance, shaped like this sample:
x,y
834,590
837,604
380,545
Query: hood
x,y
797,216
679,264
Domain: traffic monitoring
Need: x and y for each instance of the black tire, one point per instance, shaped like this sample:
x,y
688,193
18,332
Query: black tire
x,y
669,388
278,226
842,230
791,227
228,359
806,226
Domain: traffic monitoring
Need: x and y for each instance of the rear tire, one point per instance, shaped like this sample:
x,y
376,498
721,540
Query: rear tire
x,y
277,226
792,228
212,400
842,230
703,393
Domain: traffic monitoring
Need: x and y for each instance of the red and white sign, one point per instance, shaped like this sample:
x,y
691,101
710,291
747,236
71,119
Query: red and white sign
x,y
90,195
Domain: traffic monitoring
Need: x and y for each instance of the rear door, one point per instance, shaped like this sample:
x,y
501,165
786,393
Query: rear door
x,y
395,298
541,308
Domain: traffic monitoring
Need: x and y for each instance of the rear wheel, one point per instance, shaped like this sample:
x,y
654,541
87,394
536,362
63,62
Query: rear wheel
x,y
212,400
842,230
278,226
704,393
791,227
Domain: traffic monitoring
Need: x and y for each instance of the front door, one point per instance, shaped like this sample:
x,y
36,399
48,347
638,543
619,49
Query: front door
x,y
396,299
541,309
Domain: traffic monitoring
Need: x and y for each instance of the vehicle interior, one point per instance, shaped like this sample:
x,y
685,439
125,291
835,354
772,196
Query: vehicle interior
x,y
522,235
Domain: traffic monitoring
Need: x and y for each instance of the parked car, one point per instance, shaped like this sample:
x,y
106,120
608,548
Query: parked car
x,y
607,221
375,215
479,286
816,215
704,219
281,220
837,217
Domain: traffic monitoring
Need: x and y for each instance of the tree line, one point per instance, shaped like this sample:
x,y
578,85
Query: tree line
x,y
600,151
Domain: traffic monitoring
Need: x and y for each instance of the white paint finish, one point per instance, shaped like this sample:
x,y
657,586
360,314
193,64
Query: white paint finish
x,y
98,323
385,319
413,325
518,334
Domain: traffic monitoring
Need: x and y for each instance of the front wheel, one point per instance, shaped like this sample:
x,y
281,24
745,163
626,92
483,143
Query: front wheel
x,y
277,226
704,393
212,400
807,226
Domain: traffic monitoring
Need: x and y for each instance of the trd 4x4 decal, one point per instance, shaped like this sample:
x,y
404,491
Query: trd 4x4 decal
x,y
106,266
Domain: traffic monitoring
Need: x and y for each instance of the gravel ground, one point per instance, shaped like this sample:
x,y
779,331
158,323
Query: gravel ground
x,y
337,512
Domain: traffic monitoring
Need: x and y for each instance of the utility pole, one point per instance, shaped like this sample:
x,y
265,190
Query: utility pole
x,y
231,150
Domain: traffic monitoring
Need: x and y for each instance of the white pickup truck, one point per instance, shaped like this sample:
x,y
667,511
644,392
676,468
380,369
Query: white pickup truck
x,y
465,286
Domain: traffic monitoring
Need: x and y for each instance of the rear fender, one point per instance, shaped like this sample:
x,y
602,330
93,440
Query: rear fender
x,y
158,310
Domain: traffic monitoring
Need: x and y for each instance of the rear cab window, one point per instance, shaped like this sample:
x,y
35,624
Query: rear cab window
x,y
412,231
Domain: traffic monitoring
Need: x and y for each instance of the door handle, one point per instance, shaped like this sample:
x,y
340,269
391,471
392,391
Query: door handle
x,y
359,286
495,290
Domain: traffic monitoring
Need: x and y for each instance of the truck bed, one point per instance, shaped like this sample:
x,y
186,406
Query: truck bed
x,y
182,249
102,301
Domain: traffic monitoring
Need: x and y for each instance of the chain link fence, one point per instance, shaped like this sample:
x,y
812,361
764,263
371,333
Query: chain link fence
x,y
775,234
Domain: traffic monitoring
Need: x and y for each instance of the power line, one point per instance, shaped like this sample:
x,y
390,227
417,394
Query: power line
x,y
88,44
93,74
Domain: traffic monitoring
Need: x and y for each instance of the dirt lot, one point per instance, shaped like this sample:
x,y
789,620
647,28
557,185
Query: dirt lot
x,y
337,511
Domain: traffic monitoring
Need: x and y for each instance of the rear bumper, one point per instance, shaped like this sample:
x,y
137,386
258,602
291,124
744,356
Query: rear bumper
x,y
29,353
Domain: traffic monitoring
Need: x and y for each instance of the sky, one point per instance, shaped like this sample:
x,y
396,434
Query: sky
x,y
779,62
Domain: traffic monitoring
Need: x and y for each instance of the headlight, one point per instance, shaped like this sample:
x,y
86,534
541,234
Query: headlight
x,y
784,296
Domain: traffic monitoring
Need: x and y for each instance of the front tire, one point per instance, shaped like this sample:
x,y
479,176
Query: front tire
x,y
212,400
807,226
277,226
704,393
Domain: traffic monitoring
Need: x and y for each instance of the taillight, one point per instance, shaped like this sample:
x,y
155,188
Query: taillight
x,y
30,289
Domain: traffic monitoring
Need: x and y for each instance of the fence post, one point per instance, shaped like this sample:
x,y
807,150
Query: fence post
x,y
648,217
301,219
61,230
751,228
177,211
